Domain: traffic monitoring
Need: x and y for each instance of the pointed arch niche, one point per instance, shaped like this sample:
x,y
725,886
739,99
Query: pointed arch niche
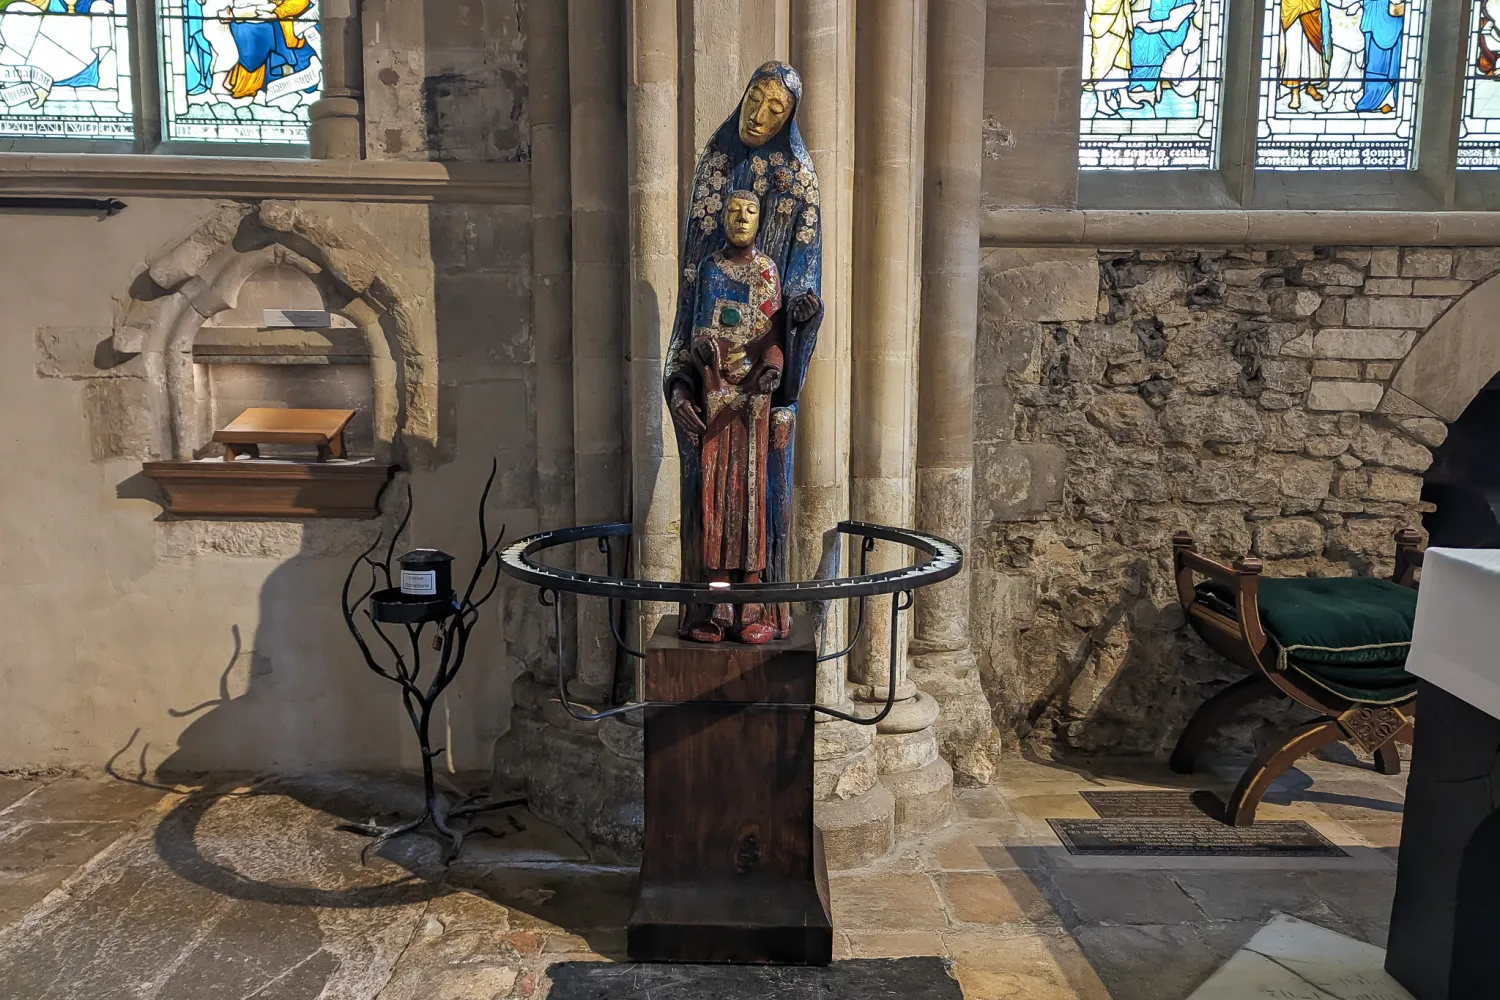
x,y
241,315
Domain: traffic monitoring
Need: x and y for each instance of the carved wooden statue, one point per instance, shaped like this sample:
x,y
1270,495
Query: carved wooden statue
x,y
747,321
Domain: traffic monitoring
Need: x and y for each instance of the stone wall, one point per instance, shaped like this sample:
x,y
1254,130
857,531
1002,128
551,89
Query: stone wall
x,y
211,644
1126,394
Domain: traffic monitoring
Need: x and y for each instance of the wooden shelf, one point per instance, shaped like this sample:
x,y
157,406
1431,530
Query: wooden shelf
x,y
265,488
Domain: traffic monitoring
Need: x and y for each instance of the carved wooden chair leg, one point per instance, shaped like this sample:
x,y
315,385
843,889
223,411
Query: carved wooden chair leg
x,y
1214,713
1271,762
1388,758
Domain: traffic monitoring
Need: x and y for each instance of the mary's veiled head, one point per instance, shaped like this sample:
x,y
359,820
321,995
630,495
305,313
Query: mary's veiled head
x,y
769,103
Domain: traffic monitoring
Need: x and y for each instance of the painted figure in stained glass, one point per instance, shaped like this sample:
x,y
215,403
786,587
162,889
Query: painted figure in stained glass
x,y
1159,35
1108,70
1150,87
63,52
1383,22
241,69
1306,49
1479,130
1487,38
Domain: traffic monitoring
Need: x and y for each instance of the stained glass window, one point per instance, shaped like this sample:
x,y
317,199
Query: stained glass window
x,y
240,70
65,69
1479,131
1339,84
1151,83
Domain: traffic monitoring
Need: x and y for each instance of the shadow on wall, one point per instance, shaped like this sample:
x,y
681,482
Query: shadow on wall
x,y
293,696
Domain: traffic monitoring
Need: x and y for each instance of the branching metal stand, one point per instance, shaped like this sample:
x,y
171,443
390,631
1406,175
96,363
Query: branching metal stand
x,y
453,618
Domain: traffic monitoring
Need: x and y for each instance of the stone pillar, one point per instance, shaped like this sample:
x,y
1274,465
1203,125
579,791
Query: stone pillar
x,y
337,119
595,83
655,234
855,811
891,49
943,662
552,279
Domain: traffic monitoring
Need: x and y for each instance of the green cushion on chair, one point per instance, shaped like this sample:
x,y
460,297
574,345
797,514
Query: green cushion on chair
x,y
1349,635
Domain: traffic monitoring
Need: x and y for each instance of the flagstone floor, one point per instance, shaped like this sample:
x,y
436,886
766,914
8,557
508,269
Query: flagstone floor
x,y
114,889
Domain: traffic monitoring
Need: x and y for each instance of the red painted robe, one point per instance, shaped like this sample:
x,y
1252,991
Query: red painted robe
x,y
734,344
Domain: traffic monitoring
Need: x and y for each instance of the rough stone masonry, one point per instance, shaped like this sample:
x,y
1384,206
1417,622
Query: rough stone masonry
x,y
1126,394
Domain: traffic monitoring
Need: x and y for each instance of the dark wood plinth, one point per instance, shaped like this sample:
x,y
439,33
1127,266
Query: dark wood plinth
x,y
1444,940
733,866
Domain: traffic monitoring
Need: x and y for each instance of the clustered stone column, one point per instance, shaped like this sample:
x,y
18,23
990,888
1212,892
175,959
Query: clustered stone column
x,y
891,40
595,83
854,810
552,278
654,244
337,119
943,661
652,96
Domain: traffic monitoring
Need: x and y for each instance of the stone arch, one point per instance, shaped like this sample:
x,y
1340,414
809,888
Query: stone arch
x,y
1452,361
202,276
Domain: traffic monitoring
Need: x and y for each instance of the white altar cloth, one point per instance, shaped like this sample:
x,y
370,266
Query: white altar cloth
x,y
1456,641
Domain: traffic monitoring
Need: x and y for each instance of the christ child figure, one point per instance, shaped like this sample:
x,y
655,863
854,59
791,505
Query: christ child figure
x,y
721,399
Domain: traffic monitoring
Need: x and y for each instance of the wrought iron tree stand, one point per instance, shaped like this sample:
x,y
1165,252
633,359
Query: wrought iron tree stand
x,y
454,618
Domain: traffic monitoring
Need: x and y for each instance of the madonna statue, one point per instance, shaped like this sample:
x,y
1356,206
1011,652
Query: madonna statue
x,y
747,321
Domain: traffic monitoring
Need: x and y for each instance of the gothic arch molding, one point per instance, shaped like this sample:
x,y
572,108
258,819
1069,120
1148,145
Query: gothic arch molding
x,y
203,275
1453,360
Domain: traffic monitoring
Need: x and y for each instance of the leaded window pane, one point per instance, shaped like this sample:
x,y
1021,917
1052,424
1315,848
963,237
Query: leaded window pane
x,y
240,70
65,69
1479,130
1152,84
1339,84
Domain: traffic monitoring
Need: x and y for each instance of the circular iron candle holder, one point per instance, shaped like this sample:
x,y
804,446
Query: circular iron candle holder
x,y
943,560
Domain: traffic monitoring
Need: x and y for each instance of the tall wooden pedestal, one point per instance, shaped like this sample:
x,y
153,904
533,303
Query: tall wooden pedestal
x,y
733,866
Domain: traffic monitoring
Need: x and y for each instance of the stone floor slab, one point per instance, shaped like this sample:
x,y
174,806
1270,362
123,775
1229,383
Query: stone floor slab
x,y
84,799
857,979
880,902
1003,898
1109,897
1295,959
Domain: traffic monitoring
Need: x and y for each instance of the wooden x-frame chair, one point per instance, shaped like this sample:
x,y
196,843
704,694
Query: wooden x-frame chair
x,y
1243,640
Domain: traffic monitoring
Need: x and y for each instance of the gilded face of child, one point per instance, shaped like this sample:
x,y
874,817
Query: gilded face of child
x,y
741,220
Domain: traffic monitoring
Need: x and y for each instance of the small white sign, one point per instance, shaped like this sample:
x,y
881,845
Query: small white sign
x,y
419,583
300,319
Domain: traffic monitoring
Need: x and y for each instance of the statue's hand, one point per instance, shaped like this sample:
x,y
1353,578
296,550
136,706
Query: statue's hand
x,y
782,420
685,413
804,307
770,378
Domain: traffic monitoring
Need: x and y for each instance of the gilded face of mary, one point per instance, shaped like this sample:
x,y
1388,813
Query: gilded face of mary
x,y
742,219
764,111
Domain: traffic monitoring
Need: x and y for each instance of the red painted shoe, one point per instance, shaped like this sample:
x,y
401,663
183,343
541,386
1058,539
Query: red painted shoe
x,y
757,633
705,631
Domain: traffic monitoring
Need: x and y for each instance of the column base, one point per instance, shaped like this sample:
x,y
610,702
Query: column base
x,y
966,733
919,780
336,129
572,778
857,830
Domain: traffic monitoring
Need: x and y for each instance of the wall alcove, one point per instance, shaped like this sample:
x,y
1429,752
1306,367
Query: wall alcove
x,y
252,325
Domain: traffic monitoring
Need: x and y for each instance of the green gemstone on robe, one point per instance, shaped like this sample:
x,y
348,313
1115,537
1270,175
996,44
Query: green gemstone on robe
x,y
730,316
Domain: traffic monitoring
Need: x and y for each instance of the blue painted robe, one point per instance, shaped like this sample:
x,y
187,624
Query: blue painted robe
x,y
1149,49
1382,31
782,174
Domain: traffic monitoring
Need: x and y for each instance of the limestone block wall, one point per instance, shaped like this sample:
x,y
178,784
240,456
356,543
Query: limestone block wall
x,y
200,644
1243,394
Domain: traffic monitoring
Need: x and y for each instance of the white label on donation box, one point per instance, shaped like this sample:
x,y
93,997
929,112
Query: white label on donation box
x,y
419,583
